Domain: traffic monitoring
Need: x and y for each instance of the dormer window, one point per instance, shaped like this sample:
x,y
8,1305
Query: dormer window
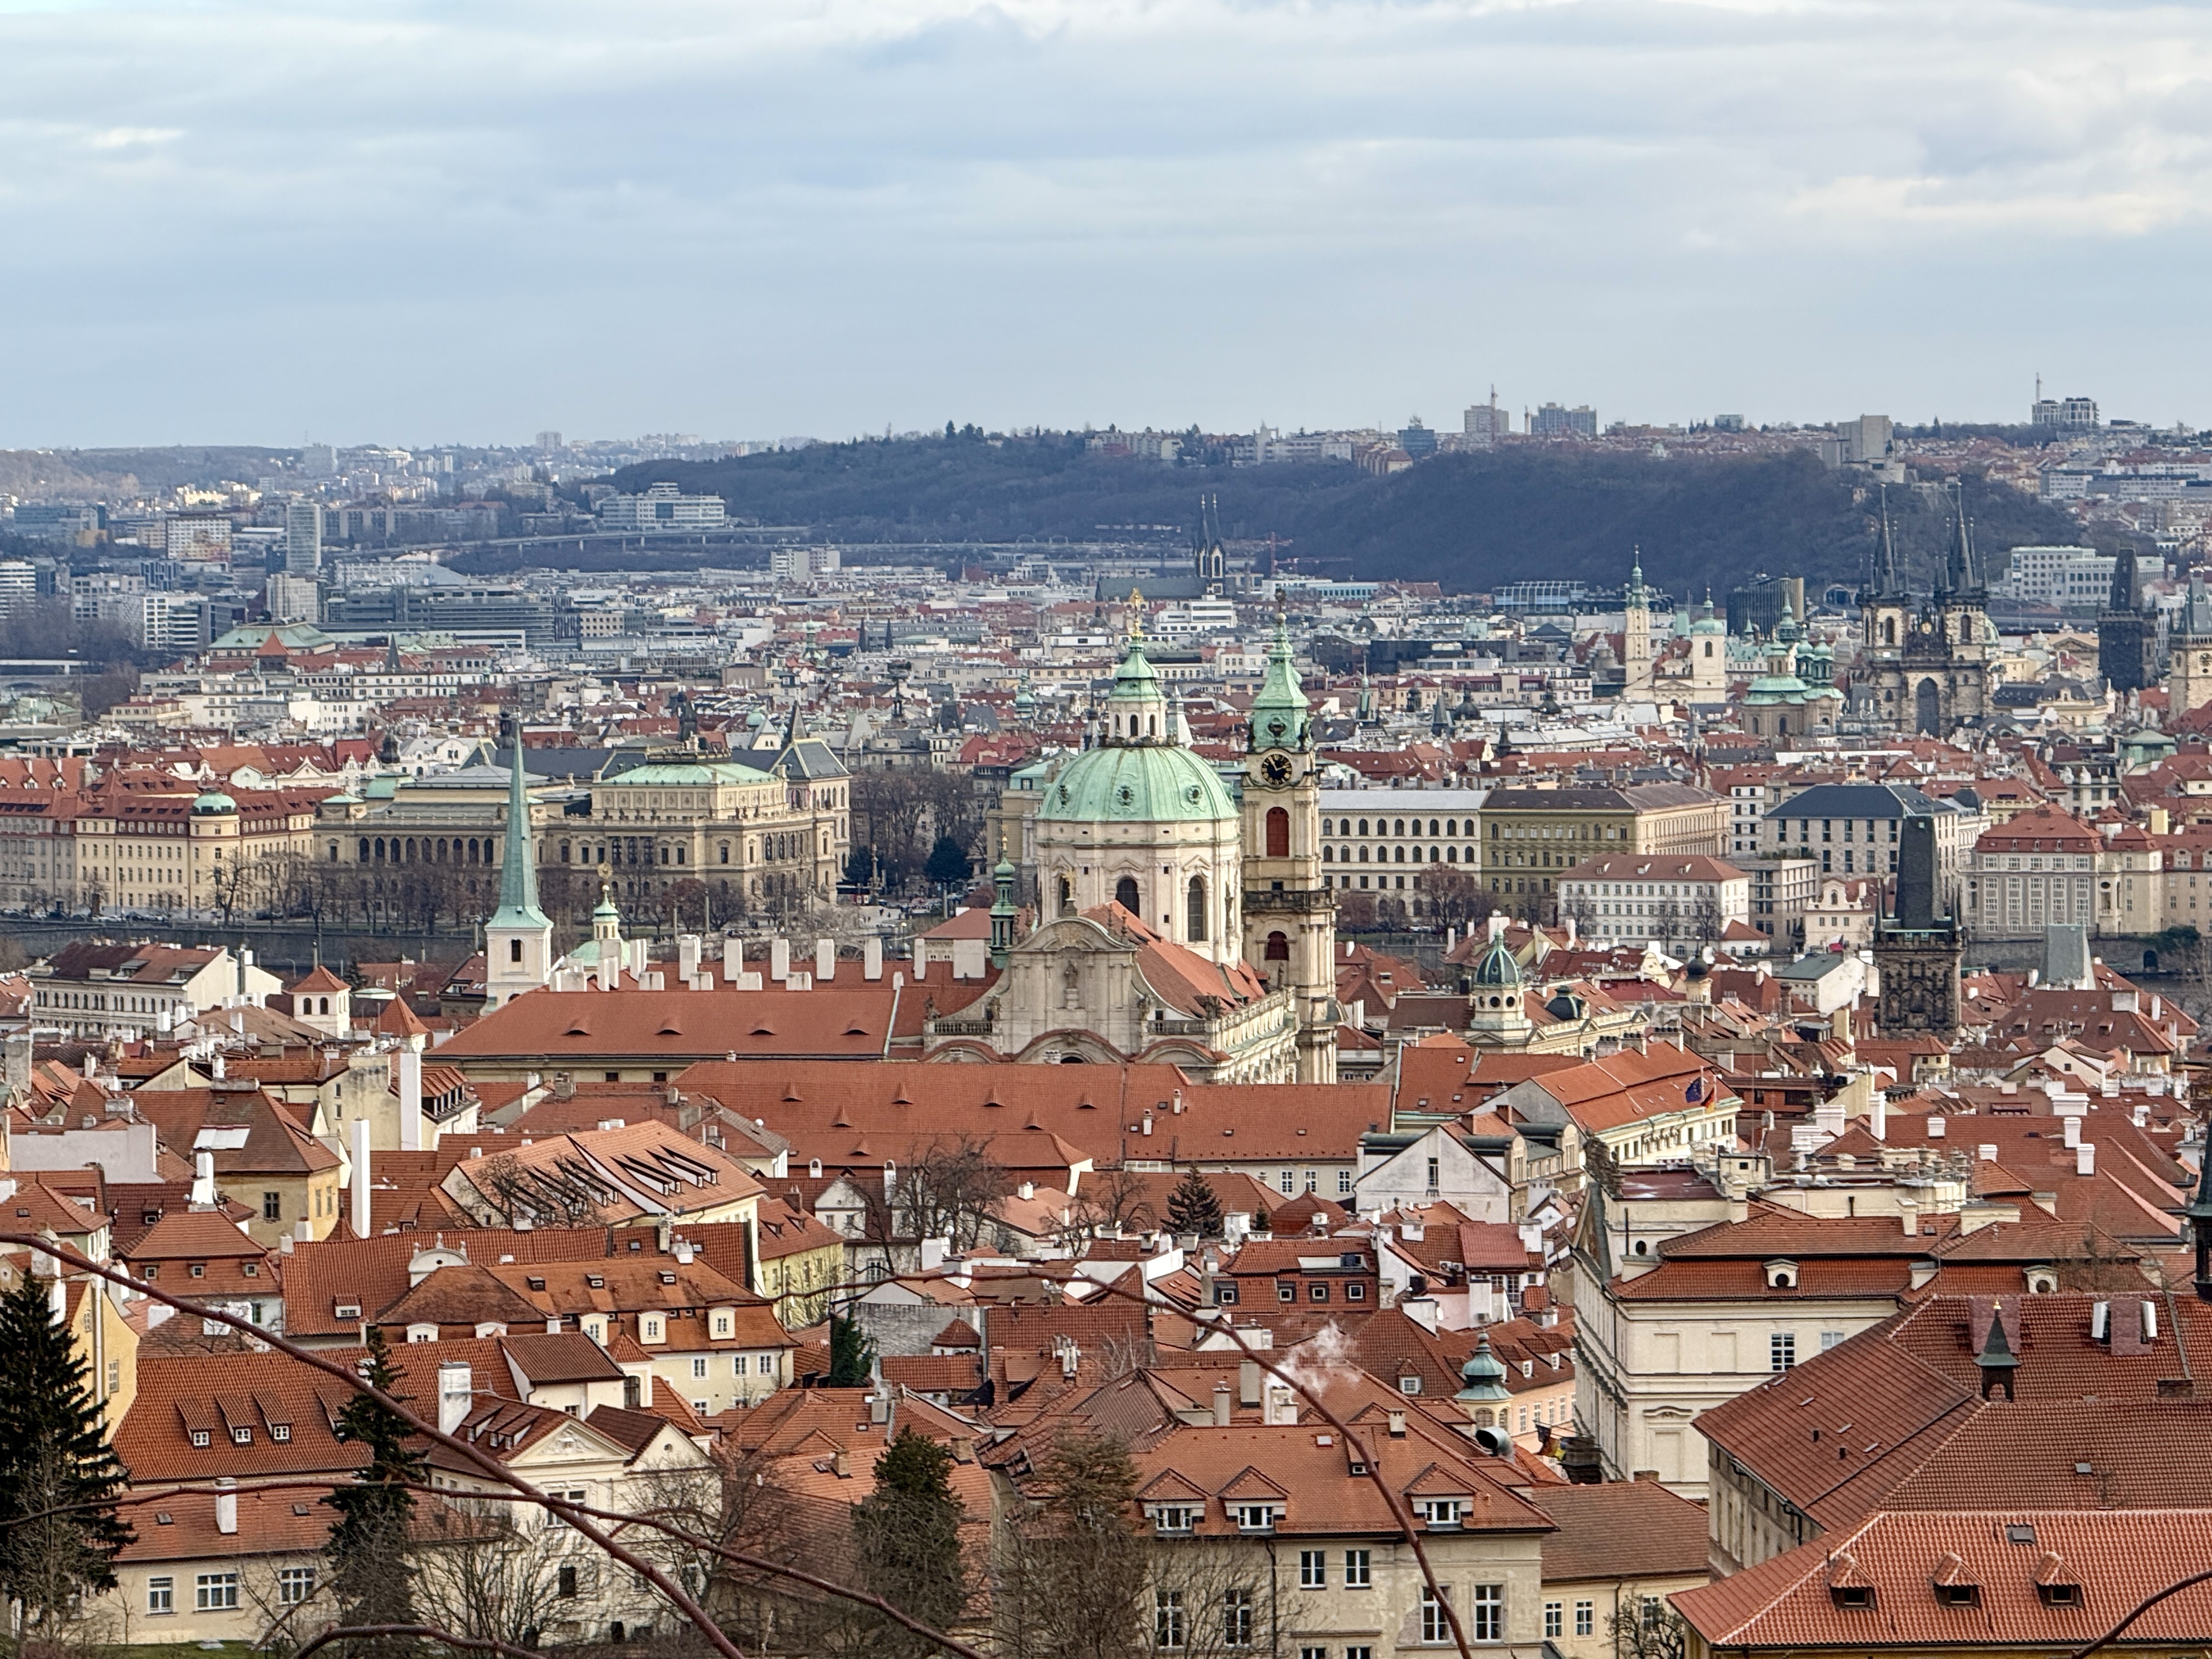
x,y
1256,1517
241,1436
1959,1596
1174,1517
1853,1596
250,1269
1440,1512
200,1438
280,1433
1781,1275
1409,1384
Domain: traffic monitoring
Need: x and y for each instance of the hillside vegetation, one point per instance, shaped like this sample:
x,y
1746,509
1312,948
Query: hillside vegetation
x,y
1472,522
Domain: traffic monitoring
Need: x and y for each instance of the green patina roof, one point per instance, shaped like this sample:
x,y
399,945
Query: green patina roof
x,y
1279,712
518,870
212,803
1136,678
1137,783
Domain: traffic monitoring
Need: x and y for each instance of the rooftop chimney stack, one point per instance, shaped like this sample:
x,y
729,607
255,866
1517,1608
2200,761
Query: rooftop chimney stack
x,y
226,1505
203,1180
360,1184
456,1388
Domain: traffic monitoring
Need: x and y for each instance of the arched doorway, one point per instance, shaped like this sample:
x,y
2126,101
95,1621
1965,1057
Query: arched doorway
x,y
1928,707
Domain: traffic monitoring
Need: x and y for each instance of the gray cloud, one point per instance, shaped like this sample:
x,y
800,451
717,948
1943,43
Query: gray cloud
x,y
421,221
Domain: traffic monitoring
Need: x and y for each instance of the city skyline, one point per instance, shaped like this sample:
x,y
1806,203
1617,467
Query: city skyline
x,y
233,222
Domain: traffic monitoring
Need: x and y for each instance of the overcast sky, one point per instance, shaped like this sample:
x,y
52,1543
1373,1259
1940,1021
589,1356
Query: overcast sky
x,y
414,222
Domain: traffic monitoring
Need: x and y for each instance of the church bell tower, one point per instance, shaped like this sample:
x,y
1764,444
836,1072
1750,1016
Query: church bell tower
x,y
1290,919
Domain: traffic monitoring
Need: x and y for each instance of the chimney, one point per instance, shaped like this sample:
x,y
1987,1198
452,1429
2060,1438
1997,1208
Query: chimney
x,y
733,958
361,1182
1247,1382
226,1505
1935,1128
825,960
687,957
411,1101
456,1388
1397,1423
2085,1159
1908,1212
779,959
203,1180
871,957
840,1464
1987,1151
1222,1406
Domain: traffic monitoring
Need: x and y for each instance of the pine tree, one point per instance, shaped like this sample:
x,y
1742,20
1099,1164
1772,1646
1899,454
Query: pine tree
x,y
1193,1208
852,1355
53,1453
906,1537
368,1543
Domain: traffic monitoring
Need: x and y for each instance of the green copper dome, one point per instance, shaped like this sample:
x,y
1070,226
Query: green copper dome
x,y
1496,967
213,804
1279,712
1137,783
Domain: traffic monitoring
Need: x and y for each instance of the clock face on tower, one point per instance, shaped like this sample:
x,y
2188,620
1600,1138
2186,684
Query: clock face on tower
x,y
1275,769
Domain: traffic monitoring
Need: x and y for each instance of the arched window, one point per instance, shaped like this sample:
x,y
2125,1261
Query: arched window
x,y
1889,630
1125,895
1066,896
1195,908
1709,647
1432,826
1279,833
1363,826
325,1007
1401,829
1329,855
364,849
1401,855
379,849
1363,855
1278,948
1451,855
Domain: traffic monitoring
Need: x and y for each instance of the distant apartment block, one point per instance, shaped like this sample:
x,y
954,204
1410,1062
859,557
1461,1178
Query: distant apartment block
x,y
791,564
2079,576
58,522
197,535
1486,423
1416,440
1728,422
1554,420
662,508
2064,414
293,599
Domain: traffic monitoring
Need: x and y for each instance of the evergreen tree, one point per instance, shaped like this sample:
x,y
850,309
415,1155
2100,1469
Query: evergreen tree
x,y
368,1544
949,865
907,1538
851,1354
53,1453
1193,1208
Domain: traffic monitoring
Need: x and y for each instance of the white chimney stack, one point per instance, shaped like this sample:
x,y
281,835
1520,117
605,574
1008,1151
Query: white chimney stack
x,y
360,1184
1935,1128
779,959
2085,1159
825,960
733,958
1282,1405
226,1505
455,1391
871,957
687,957
1223,1409
203,1180
411,1101
2072,1134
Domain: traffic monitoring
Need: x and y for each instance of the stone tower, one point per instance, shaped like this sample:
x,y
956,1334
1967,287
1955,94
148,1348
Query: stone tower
x,y
1915,947
2189,653
1636,633
2127,639
1290,919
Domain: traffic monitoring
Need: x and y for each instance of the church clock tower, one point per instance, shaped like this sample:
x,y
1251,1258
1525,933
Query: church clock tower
x,y
1290,919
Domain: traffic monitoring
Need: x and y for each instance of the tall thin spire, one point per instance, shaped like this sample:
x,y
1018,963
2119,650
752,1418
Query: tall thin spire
x,y
1887,584
518,870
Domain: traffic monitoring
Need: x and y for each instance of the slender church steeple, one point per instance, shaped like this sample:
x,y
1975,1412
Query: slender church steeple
x,y
519,938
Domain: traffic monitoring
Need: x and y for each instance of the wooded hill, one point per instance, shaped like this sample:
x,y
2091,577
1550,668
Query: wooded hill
x,y
1472,522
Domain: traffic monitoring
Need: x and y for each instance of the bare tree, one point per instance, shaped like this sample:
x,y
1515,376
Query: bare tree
x,y
1643,1626
548,1198
481,1573
949,1192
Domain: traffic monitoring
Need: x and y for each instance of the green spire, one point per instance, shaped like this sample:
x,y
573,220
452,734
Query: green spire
x,y
518,870
1279,712
1003,914
1637,598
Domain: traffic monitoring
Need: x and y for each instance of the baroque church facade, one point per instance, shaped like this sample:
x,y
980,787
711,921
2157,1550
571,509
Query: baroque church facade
x,y
1178,921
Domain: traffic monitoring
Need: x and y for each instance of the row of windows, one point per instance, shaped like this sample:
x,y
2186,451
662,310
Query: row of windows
x,y
1385,827
217,1592
1384,855
1287,1289
1171,1629
1828,829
